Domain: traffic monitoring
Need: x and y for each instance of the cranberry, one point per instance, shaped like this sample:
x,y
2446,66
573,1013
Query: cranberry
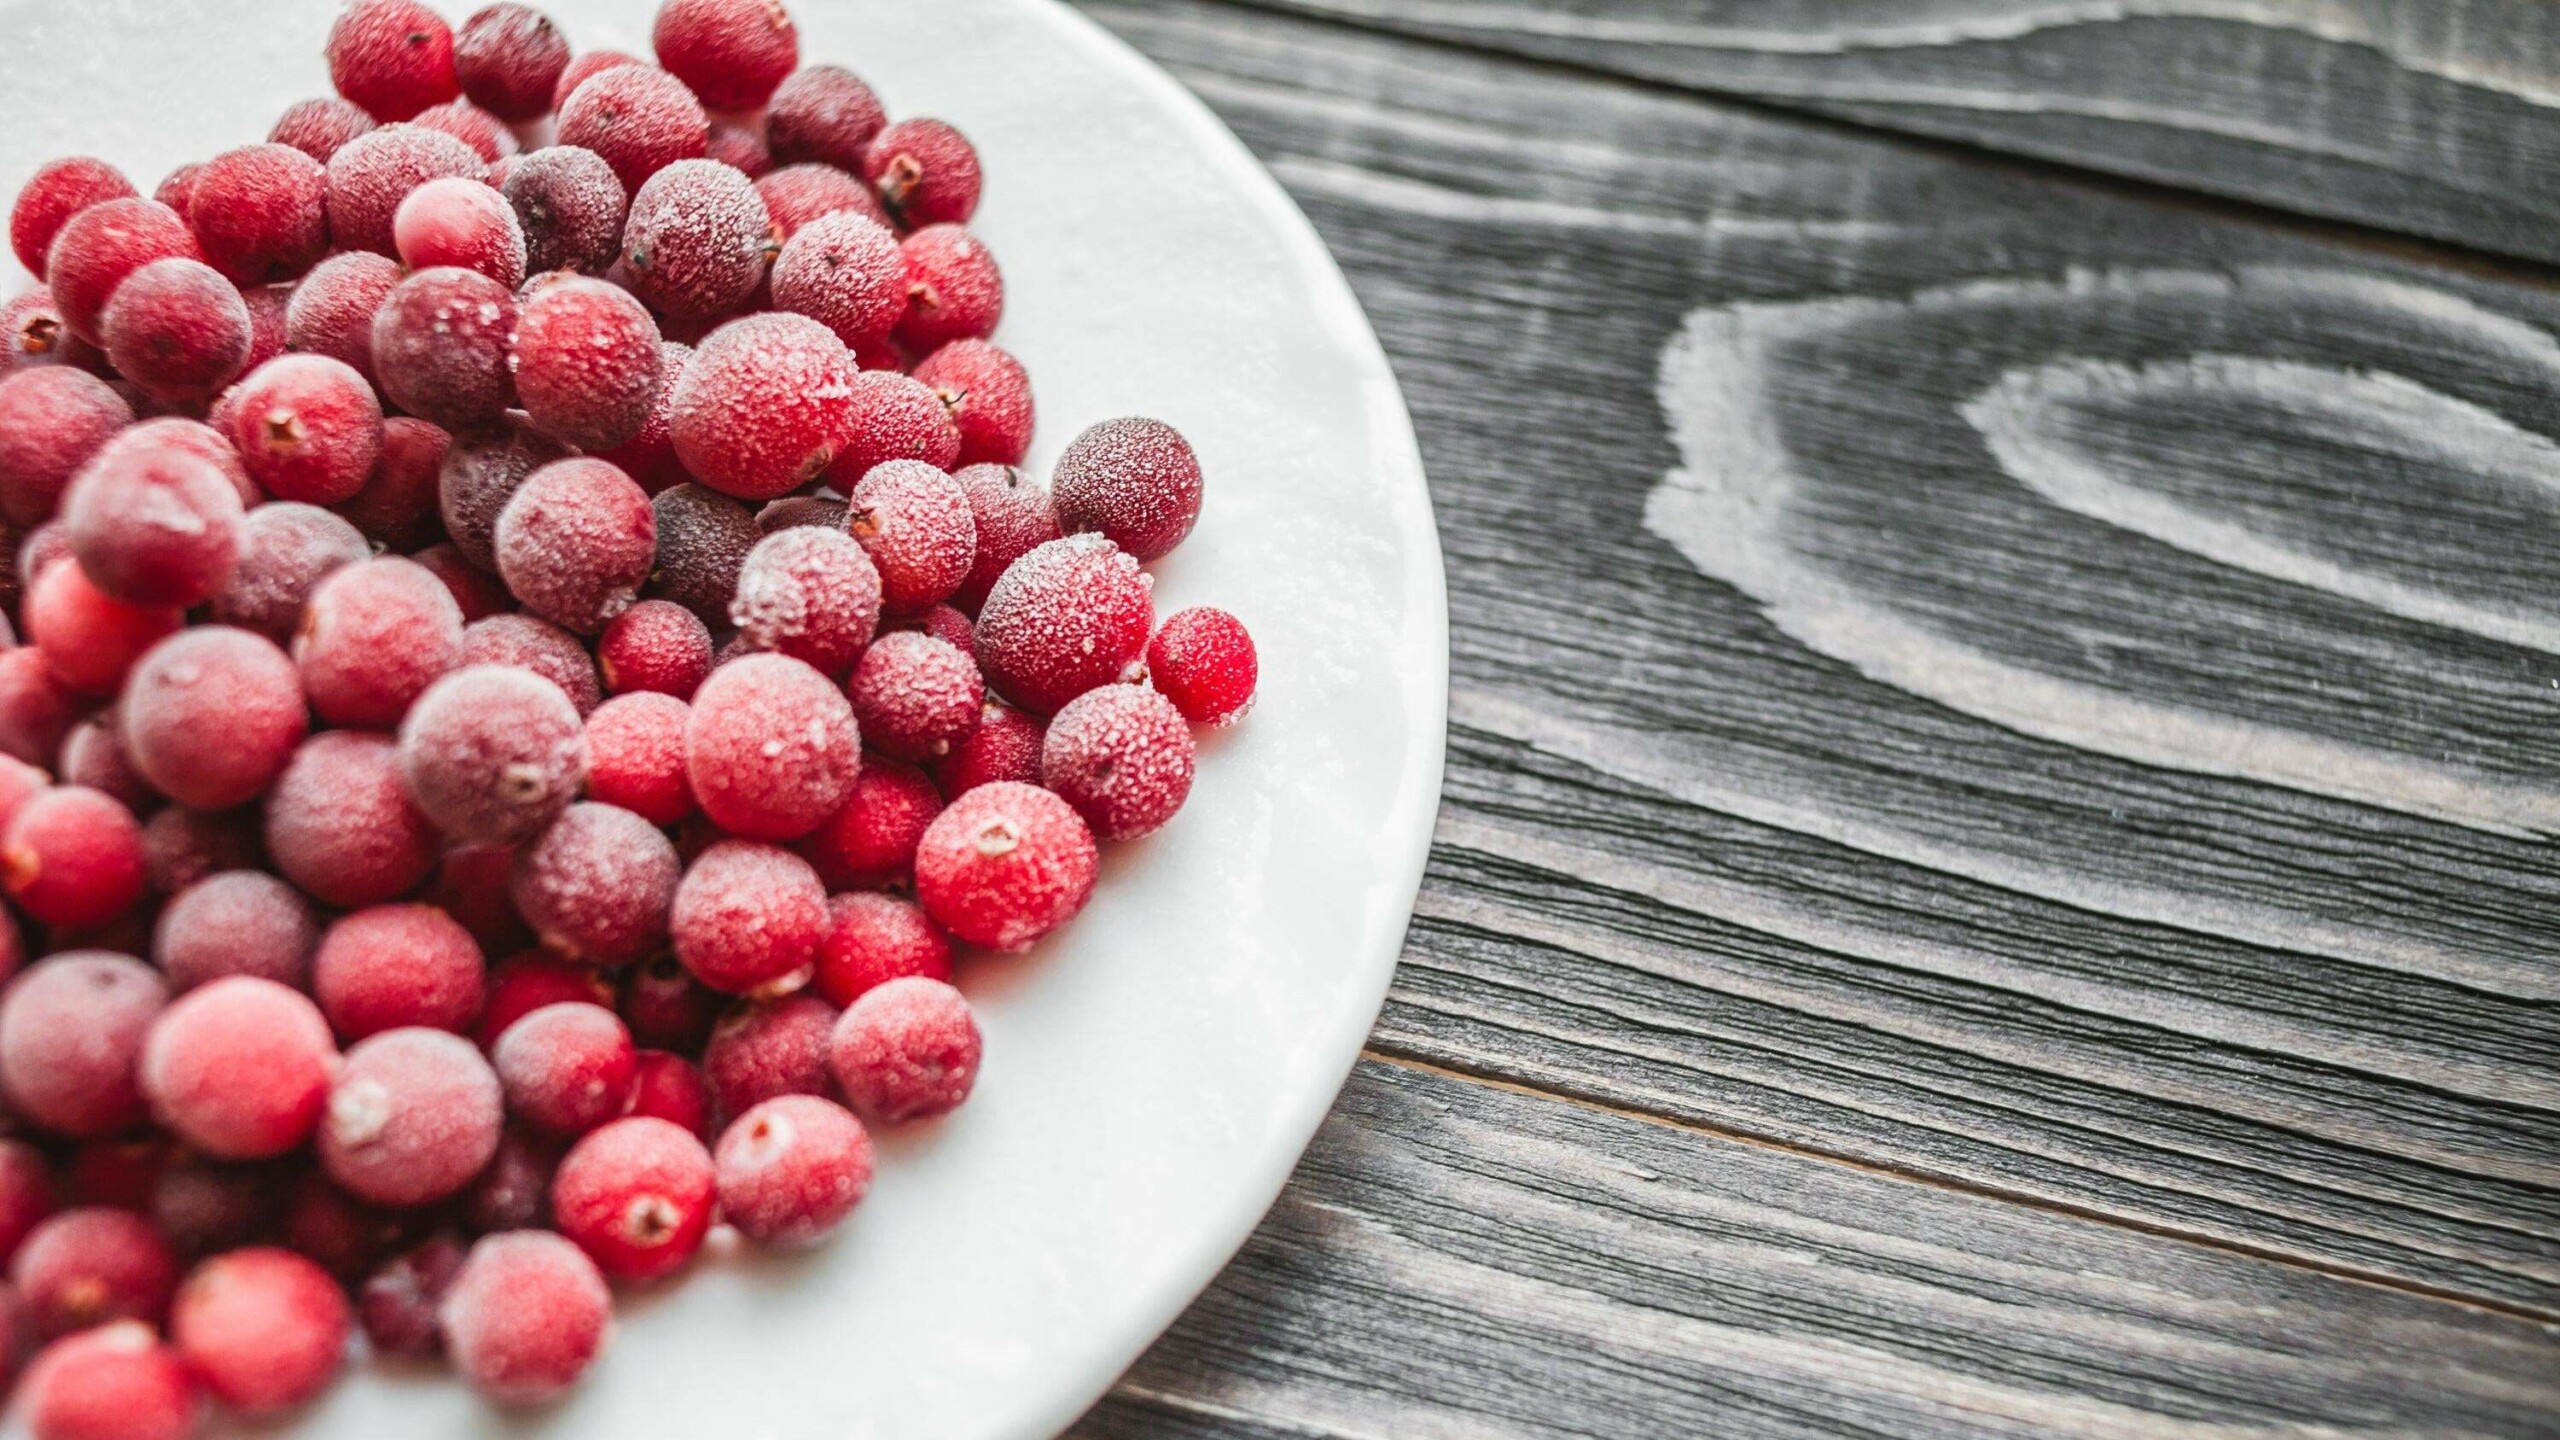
x,y
1072,614
460,222
471,886
697,239
153,525
396,509
873,939
73,857
571,207
52,419
796,195
32,334
586,362
823,113
747,918
440,346
906,1050
635,756
182,846
1005,864
771,747
479,476
893,417
237,922
492,753
846,272
263,1329
71,1035
656,645
671,1088
525,643
340,824
926,171
486,134
413,1116
871,842
769,1048
566,1068
331,313
703,540
286,549
794,511
370,175
576,542
639,118
665,1006
810,594
508,59
522,984
637,1195
738,145
393,57
98,248
117,1382
791,1169
526,1316
390,966
261,212
397,1302
917,525
212,715
177,331
650,456
584,68
954,290
1122,755
239,1068
93,755
308,428
598,884
732,53
319,127
59,190
762,405
915,696
91,1266
374,636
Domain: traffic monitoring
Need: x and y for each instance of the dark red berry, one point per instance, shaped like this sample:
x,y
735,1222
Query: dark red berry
x,y
790,511
872,939
340,824
393,57
32,334
566,1068
570,206
440,347
332,310
181,847
57,191
212,715
769,1048
522,984
823,113
650,455
576,542
286,550
732,53
525,643
93,755
1135,480
665,1006
98,248
747,918
915,696
370,175
471,886
509,58
845,271
396,509
871,842
703,540
597,885
1005,864
639,118
906,1050
480,474
177,331
397,1303
739,145
926,172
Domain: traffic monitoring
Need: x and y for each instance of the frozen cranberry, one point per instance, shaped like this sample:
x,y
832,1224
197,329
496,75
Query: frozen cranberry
x,y
811,594
697,238
954,291
570,206
1122,755
526,1316
35,710
649,456
666,1007
732,53
747,918
374,636
59,190
264,1329
91,1266
587,358
307,427
845,271
893,417
286,550
566,1068
99,247
635,756
771,747
576,542
738,145
117,1382
797,195
396,508
947,625
703,540
927,173
915,696
769,1048
267,305
393,57
71,1030
481,595
340,825
538,646
639,118
177,331
873,939
522,984
236,923
492,753
52,419
989,396
182,846
72,856
656,645
202,1206
1135,480
762,405
791,1169
261,212
1070,615
671,1088
794,511
919,528
318,128
93,754
458,222
871,842
486,134
508,59
413,1116
331,313
390,966
153,525
637,1196
370,175
32,334
479,476
397,1303
906,1050
597,885
210,716
823,113
1005,864
440,346
585,67
239,1068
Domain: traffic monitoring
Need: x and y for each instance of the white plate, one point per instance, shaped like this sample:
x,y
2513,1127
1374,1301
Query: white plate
x,y
1152,1075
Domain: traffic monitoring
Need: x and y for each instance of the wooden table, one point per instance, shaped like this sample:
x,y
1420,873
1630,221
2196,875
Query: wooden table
x,y
1997,874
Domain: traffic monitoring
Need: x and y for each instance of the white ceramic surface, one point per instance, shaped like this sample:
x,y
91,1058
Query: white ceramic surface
x,y
1151,1075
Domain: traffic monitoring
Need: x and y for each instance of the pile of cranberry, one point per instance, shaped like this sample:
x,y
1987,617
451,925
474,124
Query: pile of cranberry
x,y
607,559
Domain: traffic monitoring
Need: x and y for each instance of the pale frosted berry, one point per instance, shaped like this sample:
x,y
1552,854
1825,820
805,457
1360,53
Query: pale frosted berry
x,y
319,127
91,1266
666,1007
182,846
762,405
1014,514
989,396
397,1302
771,747
413,1116
153,525
845,271
892,417
26,1198
261,212
393,57
88,638
526,1316
211,715
907,1049
570,206
239,1068
486,134
738,145
72,856
871,842
440,346
954,290
566,1068
492,753
97,249
927,173
508,59
57,191
639,118
471,886
796,195
457,222
810,594
177,331
332,310
650,455
769,1048
32,334
522,984
235,923
792,1168
286,550
586,362
919,528
307,427
635,756
340,824
697,239
791,511
1005,864
823,113
598,884
576,542
396,509
671,1088
479,476
526,643
1122,755
71,1034
390,966
747,918
374,636
263,1329
1135,480
117,1382
202,1206
52,419
656,645
370,175
873,939
93,755
703,539
915,696
637,1195
1072,614
732,53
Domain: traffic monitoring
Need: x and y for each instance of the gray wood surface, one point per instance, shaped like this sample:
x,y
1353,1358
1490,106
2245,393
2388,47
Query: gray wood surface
x,y
2005,685
2435,117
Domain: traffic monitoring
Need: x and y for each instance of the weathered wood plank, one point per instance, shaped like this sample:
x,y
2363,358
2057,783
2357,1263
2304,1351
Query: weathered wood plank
x,y
2436,117
1453,1260
1989,676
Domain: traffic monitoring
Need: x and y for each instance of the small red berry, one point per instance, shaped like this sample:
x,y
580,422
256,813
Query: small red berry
x,y
666,1007
587,357
390,966
989,396
566,1068
1072,614
261,212
871,842
91,1266
440,347
697,239
1203,661
239,1068
576,542
792,1168
71,1035
747,918
671,1088
413,1116
906,1050
237,922
471,886
892,417
72,856
638,117
656,645
771,747
340,824
926,172
732,53
307,427
598,884
1005,864
26,1198
873,939
331,313
635,756
393,57
523,642
52,420
397,1302
739,145
370,175
93,754
570,206
792,511
526,1316
810,594
650,455
396,509
508,59
1015,515
459,222
1122,755
915,696
917,525
374,636
767,1048
1135,480
585,67
486,134
796,195
286,549
637,1195
32,334
319,127
823,113
89,639
954,290
522,984
264,1329
59,190
845,271
153,524
117,1382
492,754
946,624
212,715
